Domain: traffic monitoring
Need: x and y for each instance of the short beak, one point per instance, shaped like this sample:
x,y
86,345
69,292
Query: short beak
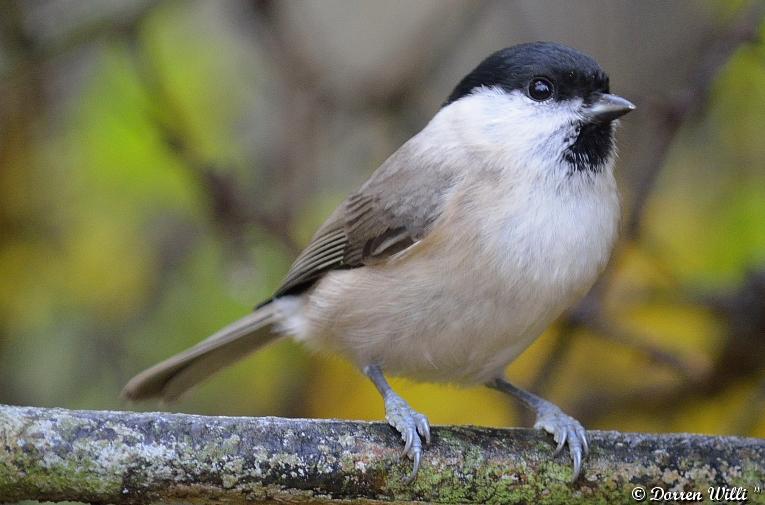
x,y
607,107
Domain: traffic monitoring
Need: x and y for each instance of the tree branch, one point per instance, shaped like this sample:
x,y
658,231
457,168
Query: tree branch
x,y
136,458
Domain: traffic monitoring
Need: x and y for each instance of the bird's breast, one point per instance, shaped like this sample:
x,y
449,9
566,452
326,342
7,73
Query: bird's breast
x,y
473,294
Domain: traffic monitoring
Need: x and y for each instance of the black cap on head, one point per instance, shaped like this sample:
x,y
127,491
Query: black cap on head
x,y
574,74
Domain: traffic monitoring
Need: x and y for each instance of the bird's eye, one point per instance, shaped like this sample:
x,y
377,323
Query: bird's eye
x,y
540,89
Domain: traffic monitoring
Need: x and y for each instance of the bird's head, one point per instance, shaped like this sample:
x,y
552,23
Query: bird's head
x,y
542,103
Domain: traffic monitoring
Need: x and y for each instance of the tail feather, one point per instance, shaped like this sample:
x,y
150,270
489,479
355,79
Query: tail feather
x,y
170,378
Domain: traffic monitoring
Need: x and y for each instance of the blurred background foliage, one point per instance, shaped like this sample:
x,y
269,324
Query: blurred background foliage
x,y
162,162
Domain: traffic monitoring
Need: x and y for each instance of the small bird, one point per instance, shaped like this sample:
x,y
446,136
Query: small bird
x,y
459,251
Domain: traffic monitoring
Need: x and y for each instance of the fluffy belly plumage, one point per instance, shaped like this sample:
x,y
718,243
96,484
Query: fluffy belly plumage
x,y
451,325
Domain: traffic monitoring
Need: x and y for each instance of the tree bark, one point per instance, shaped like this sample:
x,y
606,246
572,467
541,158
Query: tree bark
x,y
137,458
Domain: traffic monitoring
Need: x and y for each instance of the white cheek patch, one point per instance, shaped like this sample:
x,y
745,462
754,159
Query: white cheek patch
x,y
525,130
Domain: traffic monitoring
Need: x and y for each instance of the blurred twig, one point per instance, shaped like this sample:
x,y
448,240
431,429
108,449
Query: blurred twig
x,y
231,211
689,103
412,69
416,67
742,312
229,207
294,156
39,52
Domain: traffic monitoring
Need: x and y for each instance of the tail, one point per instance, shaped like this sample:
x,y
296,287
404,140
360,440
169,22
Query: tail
x,y
175,375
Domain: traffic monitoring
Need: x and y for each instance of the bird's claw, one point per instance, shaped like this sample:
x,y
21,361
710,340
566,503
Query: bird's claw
x,y
565,430
423,426
412,426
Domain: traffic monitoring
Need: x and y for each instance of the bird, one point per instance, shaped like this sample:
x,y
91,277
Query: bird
x,y
459,251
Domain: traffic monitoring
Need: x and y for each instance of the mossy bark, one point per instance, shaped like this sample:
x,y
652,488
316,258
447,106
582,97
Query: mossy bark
x,y
132,458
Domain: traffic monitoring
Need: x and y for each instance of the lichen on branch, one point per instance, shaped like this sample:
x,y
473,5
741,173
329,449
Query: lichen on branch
x,y
136,458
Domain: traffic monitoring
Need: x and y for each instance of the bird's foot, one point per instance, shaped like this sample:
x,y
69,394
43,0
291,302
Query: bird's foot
x,y
412,425
565,430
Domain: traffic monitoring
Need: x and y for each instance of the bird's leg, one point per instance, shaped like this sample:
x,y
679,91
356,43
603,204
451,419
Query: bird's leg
x,y
411,424
564,428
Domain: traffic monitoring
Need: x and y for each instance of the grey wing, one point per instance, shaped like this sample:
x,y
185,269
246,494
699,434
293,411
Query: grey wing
x,y
395,209
359,233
